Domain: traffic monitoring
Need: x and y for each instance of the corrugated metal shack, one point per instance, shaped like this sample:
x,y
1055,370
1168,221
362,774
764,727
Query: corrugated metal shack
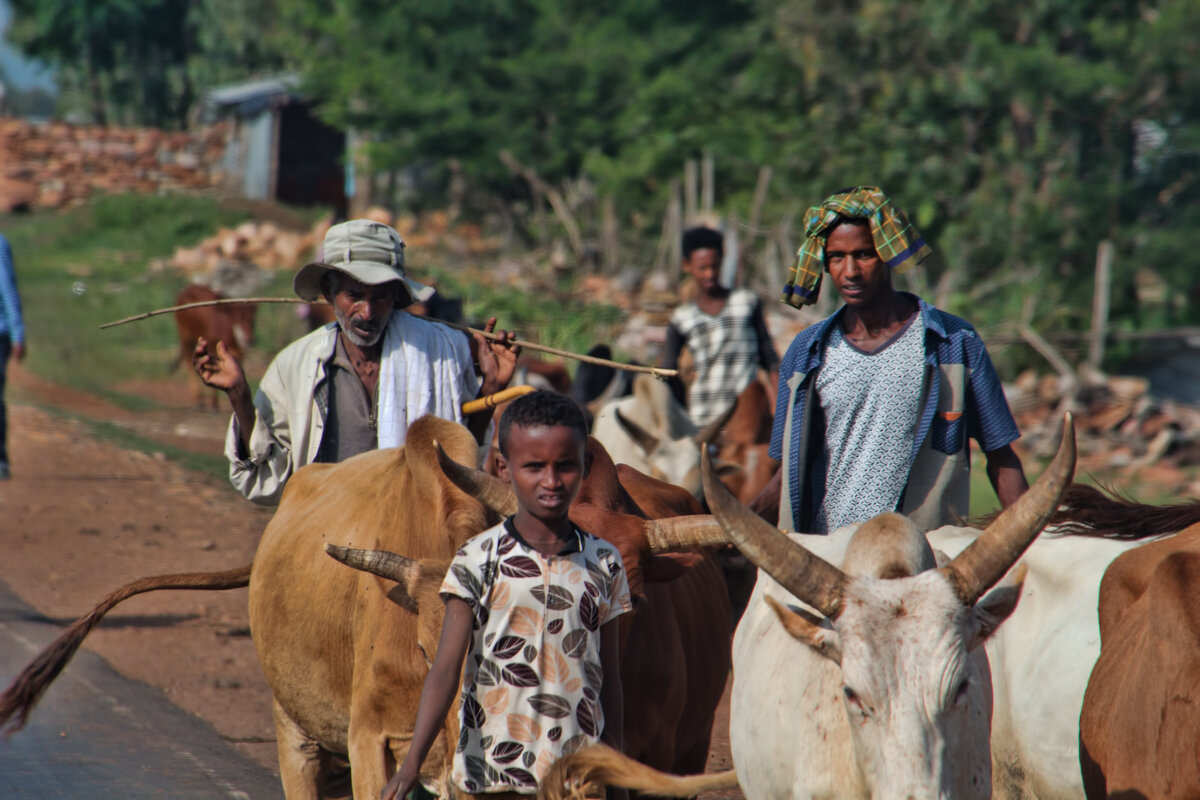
x,y
277,148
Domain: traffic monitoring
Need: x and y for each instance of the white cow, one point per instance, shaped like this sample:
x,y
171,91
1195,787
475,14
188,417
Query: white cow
x,y
650,431
1040,658
884,691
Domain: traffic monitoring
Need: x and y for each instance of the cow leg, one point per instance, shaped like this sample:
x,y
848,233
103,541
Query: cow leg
x,y
371,761
301,759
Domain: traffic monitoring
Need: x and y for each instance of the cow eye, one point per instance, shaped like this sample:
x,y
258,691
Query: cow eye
x,y
960,694
853,699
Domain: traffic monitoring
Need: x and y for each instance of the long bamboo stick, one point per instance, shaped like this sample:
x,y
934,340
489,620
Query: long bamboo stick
x,y
657,372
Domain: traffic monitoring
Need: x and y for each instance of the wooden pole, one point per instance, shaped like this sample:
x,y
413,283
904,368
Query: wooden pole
x,y
707,183
1100,303
663,251
689,191
611,237
756,206
657,372
675,229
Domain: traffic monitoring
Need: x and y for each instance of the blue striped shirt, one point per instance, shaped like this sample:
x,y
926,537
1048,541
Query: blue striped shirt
x,y
949,340
11,323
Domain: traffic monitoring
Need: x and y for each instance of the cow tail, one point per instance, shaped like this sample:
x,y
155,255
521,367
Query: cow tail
x,y
23,694
581,774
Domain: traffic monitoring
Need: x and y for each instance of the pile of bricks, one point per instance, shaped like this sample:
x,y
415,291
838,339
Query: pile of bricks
x,y
54,164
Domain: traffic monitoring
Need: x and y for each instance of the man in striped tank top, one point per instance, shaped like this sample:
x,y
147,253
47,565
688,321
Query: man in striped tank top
x,y
723,328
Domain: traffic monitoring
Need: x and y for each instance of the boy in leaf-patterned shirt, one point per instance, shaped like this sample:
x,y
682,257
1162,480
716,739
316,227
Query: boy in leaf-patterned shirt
x,y
533,602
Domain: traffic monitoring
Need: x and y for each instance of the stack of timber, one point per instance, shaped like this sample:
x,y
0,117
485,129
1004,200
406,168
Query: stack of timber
x,y
262,244
1119,424
54,164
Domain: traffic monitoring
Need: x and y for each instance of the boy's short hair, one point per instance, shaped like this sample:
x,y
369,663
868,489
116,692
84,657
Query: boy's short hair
x,y
702,238
541,408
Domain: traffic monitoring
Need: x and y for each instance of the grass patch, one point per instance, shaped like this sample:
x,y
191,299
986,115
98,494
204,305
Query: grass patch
x,y
92,264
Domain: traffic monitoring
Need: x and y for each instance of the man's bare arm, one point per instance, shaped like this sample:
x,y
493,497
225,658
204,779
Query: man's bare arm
x,y
225,373
497,359
1006,474
766,505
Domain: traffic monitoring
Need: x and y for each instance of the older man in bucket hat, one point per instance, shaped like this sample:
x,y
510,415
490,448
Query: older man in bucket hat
x,y
358,383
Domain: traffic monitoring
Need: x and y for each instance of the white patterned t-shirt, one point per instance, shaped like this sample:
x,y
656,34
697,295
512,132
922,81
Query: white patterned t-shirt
x,y
871,403
532,678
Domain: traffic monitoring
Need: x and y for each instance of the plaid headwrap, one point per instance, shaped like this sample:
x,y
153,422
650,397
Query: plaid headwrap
x,y
898,243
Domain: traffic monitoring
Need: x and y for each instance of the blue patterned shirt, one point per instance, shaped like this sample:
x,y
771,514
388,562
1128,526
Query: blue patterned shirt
x,y
966,401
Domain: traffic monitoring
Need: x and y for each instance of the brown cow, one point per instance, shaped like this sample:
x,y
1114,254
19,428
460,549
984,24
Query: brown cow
x,y
232,324
1139,726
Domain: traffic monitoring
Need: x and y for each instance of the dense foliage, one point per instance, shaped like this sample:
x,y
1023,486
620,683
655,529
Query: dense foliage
x,y
1018,135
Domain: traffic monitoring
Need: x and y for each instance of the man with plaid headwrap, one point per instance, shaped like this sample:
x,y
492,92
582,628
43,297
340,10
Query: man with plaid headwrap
x,y
877,402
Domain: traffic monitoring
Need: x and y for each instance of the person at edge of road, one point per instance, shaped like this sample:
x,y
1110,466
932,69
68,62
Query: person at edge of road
x,y
357,383
876,402
724,329
535,580
12,340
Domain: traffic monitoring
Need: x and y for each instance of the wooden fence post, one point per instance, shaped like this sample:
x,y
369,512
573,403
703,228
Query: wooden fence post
x,y
689,191
707,185
1100,302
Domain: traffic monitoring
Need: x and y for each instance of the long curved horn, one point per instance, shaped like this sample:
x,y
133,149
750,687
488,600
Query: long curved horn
x,y
494,493
710,431
808,577
674,534
644,438
383,563
984,562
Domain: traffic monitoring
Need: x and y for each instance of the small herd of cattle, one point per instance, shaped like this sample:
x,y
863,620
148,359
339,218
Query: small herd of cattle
x,y
875,662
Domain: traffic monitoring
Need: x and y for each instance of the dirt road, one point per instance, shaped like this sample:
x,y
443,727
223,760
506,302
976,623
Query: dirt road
x,y
81,517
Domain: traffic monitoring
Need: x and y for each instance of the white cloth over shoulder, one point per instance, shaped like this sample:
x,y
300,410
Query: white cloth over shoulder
x,y
417,357
427,369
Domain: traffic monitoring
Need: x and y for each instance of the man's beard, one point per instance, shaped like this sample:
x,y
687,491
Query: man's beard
x,y
353,335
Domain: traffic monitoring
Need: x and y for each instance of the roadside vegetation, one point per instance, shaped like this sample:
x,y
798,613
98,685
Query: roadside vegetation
x,y
107,260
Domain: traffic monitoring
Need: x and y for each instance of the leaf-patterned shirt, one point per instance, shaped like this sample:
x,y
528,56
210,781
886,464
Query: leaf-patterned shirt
x,y
531,682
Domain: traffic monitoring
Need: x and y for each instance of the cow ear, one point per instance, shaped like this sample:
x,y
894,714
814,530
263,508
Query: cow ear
x,y
997,605
399,595
669,566
805,628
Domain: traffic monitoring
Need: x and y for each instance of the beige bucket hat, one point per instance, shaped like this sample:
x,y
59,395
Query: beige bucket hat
x,y
369,252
